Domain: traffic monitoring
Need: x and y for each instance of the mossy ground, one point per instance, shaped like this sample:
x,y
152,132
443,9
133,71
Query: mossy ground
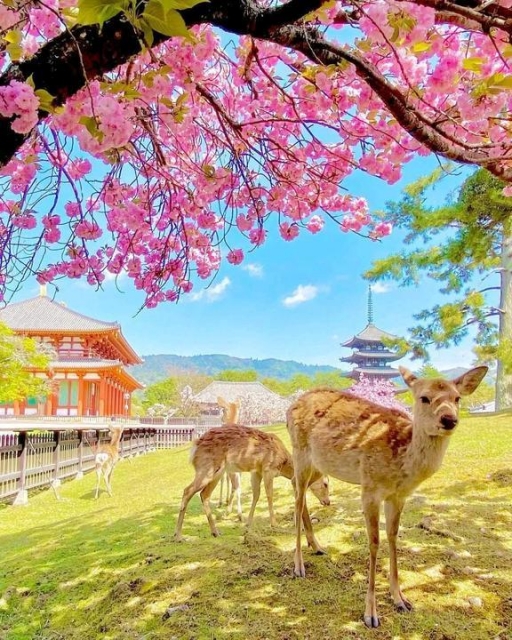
x,y
81,569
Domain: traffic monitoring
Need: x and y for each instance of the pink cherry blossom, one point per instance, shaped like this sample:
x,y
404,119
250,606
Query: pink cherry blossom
x,y
155,169
235,256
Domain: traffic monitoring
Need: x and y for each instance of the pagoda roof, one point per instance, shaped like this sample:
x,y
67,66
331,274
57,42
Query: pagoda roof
x,y
42,316
361,356
370,333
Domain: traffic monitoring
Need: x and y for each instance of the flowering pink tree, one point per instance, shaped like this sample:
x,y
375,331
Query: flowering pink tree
x,y
132,145
378,390
264,409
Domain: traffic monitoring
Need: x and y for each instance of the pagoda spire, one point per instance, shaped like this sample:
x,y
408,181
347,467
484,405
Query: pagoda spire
x,y
370,305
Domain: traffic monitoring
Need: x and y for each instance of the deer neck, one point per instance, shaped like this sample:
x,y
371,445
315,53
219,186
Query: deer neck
x,y
287,469
424,456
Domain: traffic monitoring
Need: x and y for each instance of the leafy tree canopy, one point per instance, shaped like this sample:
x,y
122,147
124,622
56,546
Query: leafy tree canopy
x,y
235,375
18,355
164,393
459,245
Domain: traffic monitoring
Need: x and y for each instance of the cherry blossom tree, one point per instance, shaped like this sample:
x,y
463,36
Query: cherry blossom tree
x,y
378,390
152,138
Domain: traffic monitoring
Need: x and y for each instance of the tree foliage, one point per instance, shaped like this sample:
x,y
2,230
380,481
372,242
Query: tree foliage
x,y
236,375
459,246
164,393
18,355
126,149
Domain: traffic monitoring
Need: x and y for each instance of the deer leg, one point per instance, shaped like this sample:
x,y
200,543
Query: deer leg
x,y
98,480
371,508
108,474
308,530
306,519
256,488
300,484
189,492
393,510
235,488
221,492
268,481
205,494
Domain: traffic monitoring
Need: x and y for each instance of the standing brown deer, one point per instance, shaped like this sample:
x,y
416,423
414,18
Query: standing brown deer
x,y
235,448
230,415
384,450
106,458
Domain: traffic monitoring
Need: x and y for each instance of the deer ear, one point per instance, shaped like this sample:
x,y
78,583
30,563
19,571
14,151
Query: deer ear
x,y
408,376
469,381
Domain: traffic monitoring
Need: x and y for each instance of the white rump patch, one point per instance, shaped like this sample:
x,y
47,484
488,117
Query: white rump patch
x,y
101,458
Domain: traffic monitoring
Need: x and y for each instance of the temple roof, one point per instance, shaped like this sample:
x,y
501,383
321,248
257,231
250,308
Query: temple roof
x,y
95,364
232,391
43,316
370,333
361,356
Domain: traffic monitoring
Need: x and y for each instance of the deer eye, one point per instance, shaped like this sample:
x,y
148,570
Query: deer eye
x,y
425,400
457,400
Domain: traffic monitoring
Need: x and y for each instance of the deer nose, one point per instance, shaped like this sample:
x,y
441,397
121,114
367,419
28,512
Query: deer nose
x,y
449,422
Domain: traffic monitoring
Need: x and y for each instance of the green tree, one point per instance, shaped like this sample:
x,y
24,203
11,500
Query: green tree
x,y
465,246
277,386
236,375
302,382
332,379
164,394
17,356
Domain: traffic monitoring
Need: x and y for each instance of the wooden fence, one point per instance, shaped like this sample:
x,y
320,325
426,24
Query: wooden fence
x,y
32,459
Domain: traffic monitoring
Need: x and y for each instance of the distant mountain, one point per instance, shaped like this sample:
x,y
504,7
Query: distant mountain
x,y
159,367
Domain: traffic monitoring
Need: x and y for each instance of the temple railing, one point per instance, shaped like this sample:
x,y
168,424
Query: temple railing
x,y
43,457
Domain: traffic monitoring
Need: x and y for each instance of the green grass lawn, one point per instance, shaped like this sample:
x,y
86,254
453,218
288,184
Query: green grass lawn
x,y
80,569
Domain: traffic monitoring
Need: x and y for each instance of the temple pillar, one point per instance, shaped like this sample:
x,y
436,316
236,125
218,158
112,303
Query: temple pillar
x,y
103,396
81,395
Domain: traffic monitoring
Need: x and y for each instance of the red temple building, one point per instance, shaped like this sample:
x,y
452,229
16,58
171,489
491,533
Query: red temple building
x,y
88,368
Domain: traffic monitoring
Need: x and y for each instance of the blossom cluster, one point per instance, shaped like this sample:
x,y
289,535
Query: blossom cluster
x,y
196,152
379,390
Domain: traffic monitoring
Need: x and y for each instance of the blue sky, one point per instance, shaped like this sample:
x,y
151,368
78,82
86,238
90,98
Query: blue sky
x,y
289,300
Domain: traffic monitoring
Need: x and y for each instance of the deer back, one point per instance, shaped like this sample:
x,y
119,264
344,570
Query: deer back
x,y
239,448
345,436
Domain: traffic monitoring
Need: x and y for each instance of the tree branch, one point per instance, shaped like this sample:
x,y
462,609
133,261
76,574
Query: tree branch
x,y
64,65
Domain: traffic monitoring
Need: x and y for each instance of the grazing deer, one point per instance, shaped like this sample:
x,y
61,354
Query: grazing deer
x,y
235,448
106,458
384,450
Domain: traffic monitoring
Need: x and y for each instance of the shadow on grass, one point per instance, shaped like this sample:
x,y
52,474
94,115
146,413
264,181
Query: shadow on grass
x,y
93,572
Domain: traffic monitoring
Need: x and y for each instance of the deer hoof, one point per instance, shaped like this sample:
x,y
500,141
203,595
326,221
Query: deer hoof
x,y
299,572
372,622
404,606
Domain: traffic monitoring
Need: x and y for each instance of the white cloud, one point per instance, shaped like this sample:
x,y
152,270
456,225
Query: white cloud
x,y
114,277
380,287
212,293
302,293
253,269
